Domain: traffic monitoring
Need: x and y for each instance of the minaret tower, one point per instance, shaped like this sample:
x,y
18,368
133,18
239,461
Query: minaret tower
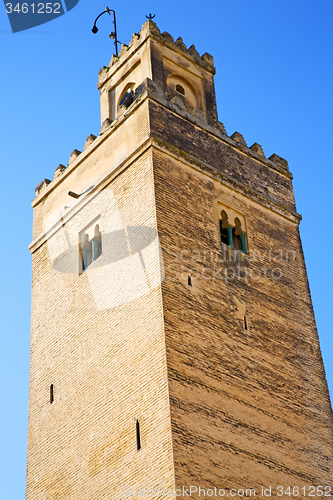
x,y
173,342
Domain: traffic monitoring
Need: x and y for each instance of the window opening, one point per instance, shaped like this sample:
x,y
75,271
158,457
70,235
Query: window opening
x,y
224,234
189,280
180,89
138,441
51,393
96,244
245,323
86,252
236,240
127,99
91,249
232,234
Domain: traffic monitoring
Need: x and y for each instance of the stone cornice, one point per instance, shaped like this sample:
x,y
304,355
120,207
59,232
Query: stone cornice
x,y
226,179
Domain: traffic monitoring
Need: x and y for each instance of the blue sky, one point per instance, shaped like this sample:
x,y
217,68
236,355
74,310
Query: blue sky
x,y
273,85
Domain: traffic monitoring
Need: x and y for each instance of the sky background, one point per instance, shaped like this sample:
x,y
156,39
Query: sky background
x,y
273,85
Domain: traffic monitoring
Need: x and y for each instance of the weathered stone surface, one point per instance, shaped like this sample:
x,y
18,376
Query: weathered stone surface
x,y
114,59
208,58
220,126
181,44
41,186
90,139
135,38
60,168
178,102
123,49
198,113
227,160
193,51
248,407
257,149
74,154
150,27
280,161
167,37
105,125
236,136
92,354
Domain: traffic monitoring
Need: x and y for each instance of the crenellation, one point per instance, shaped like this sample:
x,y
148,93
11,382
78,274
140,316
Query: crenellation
x,y
208,59
179,42
193,51
123,50
102,71
74,154
279,161
42,186
58,171
167,37
114,59
257,149
150,29
220,126
90,139
105,125
135,38
177,105
236,136
199,114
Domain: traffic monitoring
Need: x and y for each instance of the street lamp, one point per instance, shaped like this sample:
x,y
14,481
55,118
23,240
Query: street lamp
x,y
113,34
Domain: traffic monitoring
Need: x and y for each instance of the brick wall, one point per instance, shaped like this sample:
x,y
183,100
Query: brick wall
x,y
248,407
107,363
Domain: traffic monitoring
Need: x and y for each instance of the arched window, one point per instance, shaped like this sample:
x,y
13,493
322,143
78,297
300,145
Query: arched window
x,y
91,246
232,232
180,89
127,95
96,244
179,86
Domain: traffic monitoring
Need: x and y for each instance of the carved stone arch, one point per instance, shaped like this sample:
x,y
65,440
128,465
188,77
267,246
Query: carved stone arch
x,y
238,225
179,86
224,218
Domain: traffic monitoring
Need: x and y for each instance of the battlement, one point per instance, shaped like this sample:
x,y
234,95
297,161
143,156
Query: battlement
x,y
150,89
150,30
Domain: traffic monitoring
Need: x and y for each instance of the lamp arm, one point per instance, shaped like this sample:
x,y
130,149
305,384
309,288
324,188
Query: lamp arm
x,y
101,15
115,26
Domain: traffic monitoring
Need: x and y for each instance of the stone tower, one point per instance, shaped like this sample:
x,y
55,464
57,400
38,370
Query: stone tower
x,y
173,342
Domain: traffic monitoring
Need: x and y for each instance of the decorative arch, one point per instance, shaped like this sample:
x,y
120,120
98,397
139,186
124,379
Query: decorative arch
x,y
224,217
178,85
232,230
238,224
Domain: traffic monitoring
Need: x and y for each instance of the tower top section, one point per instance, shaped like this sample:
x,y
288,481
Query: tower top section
x,y
156,68
179,72
150,30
